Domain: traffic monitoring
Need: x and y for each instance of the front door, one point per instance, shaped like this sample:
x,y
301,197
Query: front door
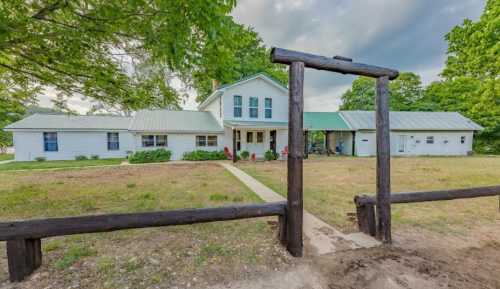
x,y
255,143
272,141
402,145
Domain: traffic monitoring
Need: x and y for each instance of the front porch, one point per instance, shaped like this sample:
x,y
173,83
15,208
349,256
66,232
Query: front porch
x,y
257,137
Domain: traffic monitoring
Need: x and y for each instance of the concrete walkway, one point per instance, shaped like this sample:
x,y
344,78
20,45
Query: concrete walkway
x,y
321,238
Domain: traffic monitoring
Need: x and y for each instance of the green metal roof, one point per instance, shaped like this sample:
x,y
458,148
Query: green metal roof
x,y
182,121
71,122
324,121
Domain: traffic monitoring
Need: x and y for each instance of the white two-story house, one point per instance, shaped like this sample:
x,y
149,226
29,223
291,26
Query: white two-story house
x,y
255,109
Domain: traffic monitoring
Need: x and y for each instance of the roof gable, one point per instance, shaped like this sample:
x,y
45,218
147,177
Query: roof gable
x,y
217,93
411,120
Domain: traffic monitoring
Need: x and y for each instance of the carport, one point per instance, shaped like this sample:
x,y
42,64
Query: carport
x,y
338,137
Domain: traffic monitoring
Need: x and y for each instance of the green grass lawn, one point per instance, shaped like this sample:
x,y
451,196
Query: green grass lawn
x,y
330,185
57,164
6,157
200,255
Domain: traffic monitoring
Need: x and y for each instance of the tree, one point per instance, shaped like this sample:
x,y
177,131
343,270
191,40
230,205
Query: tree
x,y
471,83
124,53
406,93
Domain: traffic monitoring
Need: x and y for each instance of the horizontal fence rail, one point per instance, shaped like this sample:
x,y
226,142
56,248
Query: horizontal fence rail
x,y
337,64
111,222
431,196
365,205
24,253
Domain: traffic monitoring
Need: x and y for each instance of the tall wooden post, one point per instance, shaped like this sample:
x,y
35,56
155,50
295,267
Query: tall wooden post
x,y
295,155
235,157
383,162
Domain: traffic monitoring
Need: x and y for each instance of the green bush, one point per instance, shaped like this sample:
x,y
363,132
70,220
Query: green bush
x,y
152,156
200,155
94,157
40,159
270,155
81,158
244,155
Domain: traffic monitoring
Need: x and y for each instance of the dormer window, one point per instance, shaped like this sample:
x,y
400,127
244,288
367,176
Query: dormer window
x,y
253,108
268,112
237,105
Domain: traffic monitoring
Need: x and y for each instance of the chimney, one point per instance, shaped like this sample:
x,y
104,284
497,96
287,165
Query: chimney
x,y
215,84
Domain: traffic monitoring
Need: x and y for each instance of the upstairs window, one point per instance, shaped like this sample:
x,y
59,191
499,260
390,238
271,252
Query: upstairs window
x,y
237,105
462,139
429,139
148,141
161,141
253,109
50,142
113,141
268,108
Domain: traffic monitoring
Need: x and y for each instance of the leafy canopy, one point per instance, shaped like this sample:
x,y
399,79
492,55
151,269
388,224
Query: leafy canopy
x,y
125,53
405,93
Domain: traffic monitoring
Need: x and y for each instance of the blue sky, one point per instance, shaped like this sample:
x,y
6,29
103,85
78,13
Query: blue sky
x,y
407,35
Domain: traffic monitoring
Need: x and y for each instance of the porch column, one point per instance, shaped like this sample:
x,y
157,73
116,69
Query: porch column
x,y
235,157
327,142
306,144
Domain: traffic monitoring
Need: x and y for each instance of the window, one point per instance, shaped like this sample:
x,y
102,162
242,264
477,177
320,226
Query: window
x,y
254,107
148,140
237,105
113,141
50,142
203,140
212,140
260,137
249,137
462,139
161,141
429,140
268,112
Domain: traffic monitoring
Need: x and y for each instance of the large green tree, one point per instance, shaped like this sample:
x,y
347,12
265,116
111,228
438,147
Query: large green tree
x,y
406,93
471,78
125,52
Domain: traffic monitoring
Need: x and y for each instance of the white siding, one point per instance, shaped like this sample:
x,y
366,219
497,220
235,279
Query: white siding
x,y
178,143
343,140
256,88
215,108
29,145
446,143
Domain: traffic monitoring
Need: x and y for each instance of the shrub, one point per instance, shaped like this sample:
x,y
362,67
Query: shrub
x,y
81,158
94,157
40,159
270,155
244,155
152,156
200,155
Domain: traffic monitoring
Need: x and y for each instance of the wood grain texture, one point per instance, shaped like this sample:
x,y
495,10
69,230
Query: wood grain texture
x,y
295,159
383,161
36,229
366,219
285,56
431,196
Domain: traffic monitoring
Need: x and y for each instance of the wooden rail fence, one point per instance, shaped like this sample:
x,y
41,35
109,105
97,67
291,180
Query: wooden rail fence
x,y
23,238
365,205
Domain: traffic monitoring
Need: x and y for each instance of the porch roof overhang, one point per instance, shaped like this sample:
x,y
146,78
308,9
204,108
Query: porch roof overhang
x,y
255,124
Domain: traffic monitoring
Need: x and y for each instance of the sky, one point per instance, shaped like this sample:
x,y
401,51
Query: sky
x,y
407,35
